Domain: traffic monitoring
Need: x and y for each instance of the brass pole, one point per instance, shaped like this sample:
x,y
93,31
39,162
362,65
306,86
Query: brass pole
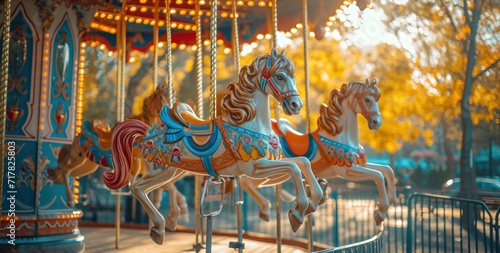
x,y
200,110
277,109
120,115
155,44
3,88
170,84
310,242
213,92
239,204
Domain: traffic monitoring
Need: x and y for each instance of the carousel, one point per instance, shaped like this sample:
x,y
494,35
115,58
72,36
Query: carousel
x,y
242,145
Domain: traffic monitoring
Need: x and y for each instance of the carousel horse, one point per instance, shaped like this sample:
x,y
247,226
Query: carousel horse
x,y
92,148
240,142
334,149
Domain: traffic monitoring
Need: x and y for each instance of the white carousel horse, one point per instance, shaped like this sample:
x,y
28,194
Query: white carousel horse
x,y
334,149
241,142
92,148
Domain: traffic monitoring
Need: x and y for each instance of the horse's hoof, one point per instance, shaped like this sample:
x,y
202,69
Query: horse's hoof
x,y
295,220
171,223
323,199
264,215
310,209
157,235
184,209
379,217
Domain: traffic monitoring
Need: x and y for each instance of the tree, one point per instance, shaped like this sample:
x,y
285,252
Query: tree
x,y
456,53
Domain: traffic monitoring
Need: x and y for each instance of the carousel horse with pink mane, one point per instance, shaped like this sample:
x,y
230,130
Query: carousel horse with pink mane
x,y
334,149
92,148
240,142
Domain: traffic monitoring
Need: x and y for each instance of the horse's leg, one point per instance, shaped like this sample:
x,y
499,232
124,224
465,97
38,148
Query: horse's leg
x,y
248,185
389,177
315,188
142,187
358,173
264,168
158,195
69,193
174,206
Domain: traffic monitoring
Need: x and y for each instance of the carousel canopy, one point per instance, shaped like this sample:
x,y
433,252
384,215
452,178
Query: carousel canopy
x,y
253,20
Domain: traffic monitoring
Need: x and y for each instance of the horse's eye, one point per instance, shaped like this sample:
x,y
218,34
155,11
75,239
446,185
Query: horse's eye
x,y
367,100
280,77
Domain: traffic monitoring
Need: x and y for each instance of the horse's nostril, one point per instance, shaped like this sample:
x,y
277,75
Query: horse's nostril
x,y
375,122
294,105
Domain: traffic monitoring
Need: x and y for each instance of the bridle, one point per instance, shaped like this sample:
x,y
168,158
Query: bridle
x,y
364,112
266,79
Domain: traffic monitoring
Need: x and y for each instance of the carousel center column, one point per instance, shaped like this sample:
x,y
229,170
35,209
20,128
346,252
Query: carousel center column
x,y
41,116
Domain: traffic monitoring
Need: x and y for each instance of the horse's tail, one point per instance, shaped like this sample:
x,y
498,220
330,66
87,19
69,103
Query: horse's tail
x,y
122,140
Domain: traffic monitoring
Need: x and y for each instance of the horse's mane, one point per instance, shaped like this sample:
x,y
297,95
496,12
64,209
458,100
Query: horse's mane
x,y
237,103
156,100
329,119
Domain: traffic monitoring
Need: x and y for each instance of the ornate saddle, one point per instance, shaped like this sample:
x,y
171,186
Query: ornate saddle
x,y
95,141
201,137
303,144
103,131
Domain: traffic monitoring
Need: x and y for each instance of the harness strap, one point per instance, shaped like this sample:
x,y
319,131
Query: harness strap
x,y
321,148
266,79
365,113
220,123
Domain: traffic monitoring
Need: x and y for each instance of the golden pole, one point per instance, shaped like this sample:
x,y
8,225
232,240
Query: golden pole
x,y
277,109
310,243
155,44
3,88
120,115
199,84
170,85
213,93
239,204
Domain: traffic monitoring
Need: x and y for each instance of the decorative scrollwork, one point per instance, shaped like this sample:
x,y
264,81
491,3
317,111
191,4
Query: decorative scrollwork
x,y
14,113
45,13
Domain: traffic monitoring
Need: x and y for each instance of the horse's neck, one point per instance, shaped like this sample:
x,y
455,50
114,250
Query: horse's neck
x,y
262,121
349,133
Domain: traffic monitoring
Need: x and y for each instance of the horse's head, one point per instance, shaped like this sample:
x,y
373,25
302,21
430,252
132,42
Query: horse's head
x,y
366,103
269,74
153,104
278,79
63,160
356,97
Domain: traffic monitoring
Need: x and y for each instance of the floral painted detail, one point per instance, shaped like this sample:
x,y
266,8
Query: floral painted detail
x,y
246,141
274,143
342,154
261,147
176,155
148,146
248,144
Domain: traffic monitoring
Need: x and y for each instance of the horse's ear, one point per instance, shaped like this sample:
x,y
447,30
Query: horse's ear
x,y
274,53
367,82
374,81
283,52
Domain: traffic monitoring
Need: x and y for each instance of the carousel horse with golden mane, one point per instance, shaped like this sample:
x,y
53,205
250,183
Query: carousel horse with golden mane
x,y
240,142
92,148
334,149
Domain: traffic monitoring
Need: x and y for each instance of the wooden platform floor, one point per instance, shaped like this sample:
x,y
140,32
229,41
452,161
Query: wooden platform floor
x,y
102,240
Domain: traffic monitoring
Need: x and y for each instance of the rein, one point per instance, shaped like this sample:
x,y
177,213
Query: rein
x,y
266,79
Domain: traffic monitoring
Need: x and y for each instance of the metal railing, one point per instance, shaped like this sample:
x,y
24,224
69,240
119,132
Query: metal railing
x,y
344,223
438,223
